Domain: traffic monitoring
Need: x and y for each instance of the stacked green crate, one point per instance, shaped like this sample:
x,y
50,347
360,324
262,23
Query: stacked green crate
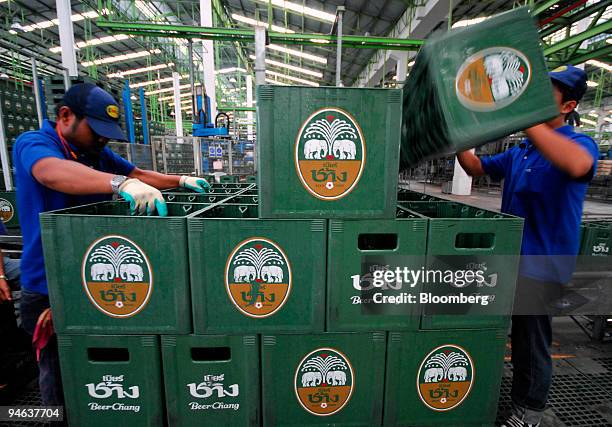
x,y
112,379
212,380
328,152
323,379
481,250
596,246
108,271
473,85
251,275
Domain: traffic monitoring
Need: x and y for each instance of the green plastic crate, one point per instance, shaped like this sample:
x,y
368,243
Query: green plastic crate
x,y
328,152
112,380
228,178
326,379
211,380
250,275
110,272
208,198
443,378
8,209
596,246
355,248
473,85
466,238
413,196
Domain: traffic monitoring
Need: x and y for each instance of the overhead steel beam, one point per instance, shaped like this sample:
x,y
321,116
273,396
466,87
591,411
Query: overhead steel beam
x,y
574,17
600,53
544,6
248,35
578,38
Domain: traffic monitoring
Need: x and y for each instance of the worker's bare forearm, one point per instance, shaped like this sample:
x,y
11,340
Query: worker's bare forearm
x,y
561,151
67,176
155,179
470,163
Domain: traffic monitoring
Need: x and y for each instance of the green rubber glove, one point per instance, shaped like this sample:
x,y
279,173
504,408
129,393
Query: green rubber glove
x,y
143,198
194,183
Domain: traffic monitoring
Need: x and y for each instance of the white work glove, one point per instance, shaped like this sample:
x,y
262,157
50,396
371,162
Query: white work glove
x,y
199,185
143,198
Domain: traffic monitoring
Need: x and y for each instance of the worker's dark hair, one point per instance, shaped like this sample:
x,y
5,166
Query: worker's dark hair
x,y
567,93
61,104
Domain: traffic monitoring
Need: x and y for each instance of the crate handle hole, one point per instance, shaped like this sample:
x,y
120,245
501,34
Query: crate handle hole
x,y
191,198
255,199
187,208
211,354
377,242
212,199
475,241
171,197
108,354
242,209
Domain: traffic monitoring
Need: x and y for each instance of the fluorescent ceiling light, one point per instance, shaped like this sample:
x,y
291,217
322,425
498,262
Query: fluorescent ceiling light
x,y
292,67
293,79
120,58
231,70
591,83
320,41
170,89
120,74
302,10
94,42
55,22
600,64
256,23
591,122
608,119
315,58
411,63
150,82
468,22
609,41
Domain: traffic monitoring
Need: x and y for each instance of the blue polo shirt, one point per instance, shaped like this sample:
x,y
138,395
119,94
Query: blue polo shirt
x,y
34,198
549,200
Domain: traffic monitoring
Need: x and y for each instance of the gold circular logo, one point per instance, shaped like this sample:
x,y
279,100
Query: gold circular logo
x,y
112,111
492,79
117,276
6,210
258,277
445,377
330,153
324,381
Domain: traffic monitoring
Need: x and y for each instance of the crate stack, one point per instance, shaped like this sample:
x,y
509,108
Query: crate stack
x,y
253,304
595,245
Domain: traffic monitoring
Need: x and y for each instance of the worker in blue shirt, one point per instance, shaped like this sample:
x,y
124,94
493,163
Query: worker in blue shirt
x,y
545,182
67,163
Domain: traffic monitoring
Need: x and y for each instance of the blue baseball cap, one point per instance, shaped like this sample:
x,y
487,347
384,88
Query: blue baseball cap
x,y
574,78
100,108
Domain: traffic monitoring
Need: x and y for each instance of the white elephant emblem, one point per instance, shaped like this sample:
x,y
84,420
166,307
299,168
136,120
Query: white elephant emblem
x,y
244,273
101,271
434,375
5,208
272,274
336,378
313,148
131,272
311,379
457,373
344,149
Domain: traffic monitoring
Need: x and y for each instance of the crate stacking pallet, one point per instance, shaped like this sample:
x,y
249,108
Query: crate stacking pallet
x,y
253,321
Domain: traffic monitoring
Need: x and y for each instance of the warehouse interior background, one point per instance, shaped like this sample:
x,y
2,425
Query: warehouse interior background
x,y
185,74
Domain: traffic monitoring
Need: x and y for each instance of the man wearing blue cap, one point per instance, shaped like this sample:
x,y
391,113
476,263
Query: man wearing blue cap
x,y
65,164
545,182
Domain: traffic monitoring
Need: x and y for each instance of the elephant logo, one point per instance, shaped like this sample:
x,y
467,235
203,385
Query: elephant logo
x,y
445,377
258,277
7,211
117,276
330,153
492,79
324,381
